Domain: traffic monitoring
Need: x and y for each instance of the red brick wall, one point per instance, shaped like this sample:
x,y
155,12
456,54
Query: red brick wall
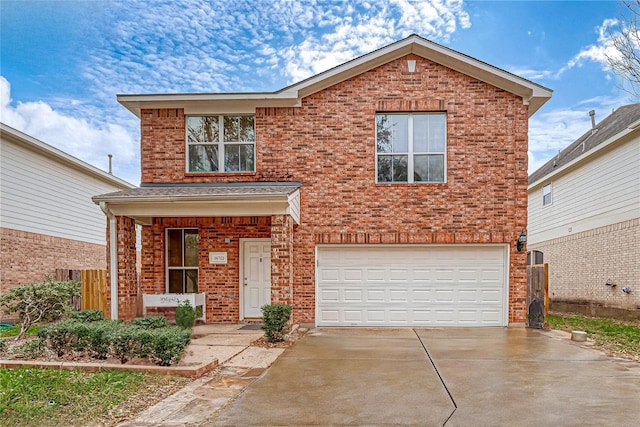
x,y
28,257
219,281
328,144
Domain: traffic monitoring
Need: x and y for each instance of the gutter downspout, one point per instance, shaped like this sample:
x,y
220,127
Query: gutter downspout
x,y
113,258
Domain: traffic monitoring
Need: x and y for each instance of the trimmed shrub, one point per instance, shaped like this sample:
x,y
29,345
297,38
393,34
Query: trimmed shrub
x,y
162,345
168,344
59,337
151,322
87,315
131,341
186,315
275,319
101,336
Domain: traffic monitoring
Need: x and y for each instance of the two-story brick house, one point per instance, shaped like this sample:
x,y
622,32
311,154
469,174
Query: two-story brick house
x,y
386,191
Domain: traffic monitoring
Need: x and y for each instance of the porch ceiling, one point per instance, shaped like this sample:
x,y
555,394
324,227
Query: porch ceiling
x,y
205,200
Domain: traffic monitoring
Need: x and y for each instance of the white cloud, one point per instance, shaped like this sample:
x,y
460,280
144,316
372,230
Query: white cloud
x,y
597,52
72,135
362,29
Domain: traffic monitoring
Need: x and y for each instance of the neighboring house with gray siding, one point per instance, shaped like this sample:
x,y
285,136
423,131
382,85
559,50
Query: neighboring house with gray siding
x,y
584,215
47,218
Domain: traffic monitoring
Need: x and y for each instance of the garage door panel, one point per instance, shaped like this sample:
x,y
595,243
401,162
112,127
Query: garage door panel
x,y
376,295
330,295
456,285
375,275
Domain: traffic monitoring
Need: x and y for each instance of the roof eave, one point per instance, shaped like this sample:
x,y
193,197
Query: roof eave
x,y
618,138
531,93
60,156
199,103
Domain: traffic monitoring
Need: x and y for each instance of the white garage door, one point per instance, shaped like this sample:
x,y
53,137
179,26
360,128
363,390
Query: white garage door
x,y
452,285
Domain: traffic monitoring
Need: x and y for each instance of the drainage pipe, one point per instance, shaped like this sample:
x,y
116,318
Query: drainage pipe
x,y
113,258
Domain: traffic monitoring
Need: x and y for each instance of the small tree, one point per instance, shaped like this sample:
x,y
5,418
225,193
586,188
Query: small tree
x,y
40,302
275,319
623,55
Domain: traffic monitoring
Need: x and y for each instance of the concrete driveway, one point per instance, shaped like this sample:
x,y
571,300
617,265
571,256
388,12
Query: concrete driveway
x,y
436,377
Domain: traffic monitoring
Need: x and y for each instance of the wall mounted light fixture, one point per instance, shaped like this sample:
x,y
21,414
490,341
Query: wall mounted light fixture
x,y
626,290
411,64
610,283
522,239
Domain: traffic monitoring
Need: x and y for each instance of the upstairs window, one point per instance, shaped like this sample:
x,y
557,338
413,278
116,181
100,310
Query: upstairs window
x,y
221,143
546,195
411,147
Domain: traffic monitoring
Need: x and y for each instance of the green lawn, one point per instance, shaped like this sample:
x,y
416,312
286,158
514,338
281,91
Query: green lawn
x,y
13,331
52,397
609,334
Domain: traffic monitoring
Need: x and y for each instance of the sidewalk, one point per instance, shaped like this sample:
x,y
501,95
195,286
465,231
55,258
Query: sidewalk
x,y
239,365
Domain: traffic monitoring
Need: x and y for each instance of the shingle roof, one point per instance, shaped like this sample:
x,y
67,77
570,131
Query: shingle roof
x,y
610,126
201,191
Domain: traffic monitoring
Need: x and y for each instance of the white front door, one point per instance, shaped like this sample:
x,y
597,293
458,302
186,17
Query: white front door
x,y
256,276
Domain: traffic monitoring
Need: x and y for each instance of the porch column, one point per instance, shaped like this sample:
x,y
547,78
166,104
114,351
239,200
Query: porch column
x,y
281,259
127,274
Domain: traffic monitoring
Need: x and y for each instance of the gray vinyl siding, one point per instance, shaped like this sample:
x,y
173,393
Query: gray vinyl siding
x,y
40,194
599,191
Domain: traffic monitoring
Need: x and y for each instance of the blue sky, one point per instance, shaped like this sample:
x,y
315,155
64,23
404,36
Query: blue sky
x,y
63,62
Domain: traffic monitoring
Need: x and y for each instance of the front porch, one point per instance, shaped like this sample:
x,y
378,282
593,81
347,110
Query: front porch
x,y
234,243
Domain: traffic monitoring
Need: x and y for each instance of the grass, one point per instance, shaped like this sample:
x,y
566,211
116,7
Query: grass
x,y
609,334
52,397
13,331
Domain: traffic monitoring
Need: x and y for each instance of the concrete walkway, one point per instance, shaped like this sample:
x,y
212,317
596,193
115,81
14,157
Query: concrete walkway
x,y
240,365
436,377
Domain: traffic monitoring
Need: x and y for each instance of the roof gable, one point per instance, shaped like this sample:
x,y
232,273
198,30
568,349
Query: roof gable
x,y
612,128
532,94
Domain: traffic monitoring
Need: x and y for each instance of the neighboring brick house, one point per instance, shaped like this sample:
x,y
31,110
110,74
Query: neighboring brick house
x,y
387,191
47,218
584,216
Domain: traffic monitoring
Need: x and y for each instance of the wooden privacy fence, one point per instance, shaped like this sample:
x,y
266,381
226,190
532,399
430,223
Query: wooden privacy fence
x,y
93,289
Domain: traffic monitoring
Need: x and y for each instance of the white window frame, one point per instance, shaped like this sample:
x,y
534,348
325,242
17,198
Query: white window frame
x,y
182,267
221,144
410,153
544,195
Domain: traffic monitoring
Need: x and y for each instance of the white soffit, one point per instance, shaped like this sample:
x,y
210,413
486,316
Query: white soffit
x,y
144,209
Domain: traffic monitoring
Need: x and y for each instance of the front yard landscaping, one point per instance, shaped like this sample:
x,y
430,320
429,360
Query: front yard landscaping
x,y
617,337
57,397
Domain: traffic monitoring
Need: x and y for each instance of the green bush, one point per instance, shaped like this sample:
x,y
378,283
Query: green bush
x,y
131,341
186,315
59,337
87,315
162,345
168,344
275,319
30,349
151,322
41,302
101,336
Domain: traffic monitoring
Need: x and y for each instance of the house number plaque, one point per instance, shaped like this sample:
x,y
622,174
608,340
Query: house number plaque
x,y
217,257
